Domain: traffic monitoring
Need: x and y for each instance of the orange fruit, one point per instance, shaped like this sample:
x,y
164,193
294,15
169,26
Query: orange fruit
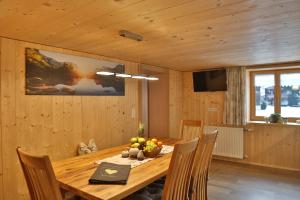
x,y
159,143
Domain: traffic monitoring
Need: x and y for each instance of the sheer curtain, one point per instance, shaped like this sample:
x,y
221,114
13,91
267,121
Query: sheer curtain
x,y
235,97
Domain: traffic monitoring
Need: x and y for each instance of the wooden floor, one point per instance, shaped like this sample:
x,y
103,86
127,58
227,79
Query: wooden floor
x,y
240,182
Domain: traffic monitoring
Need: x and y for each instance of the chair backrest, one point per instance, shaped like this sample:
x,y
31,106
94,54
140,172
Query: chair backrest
x,y
40,177
179,173
191,129
198,188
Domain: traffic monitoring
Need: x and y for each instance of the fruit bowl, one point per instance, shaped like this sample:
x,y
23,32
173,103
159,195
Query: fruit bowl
x,y
153,153
150,147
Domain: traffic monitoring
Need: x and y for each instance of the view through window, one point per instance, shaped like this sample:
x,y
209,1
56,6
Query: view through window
x,y
275,91
264,94
290,94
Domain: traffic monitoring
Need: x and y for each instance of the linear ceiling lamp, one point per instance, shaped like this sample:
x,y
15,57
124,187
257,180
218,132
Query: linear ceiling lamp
x,y
120,75
105,73
123,75
151,78
139,77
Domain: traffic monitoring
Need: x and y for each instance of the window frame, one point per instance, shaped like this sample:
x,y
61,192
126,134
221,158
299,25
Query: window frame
x,y
277,91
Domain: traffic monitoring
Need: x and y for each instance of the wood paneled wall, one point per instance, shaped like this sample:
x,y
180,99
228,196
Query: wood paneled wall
x,y
276,146
158,92
165,104
1,161
271,145
175,103
206,106
54,125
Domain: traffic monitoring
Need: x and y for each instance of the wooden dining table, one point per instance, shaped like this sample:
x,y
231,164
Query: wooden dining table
x,y
73,174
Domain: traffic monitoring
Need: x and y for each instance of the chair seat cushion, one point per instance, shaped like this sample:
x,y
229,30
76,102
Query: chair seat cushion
x,y
151,192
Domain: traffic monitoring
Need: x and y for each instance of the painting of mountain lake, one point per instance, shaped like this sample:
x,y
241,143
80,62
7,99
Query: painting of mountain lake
x,y
51,73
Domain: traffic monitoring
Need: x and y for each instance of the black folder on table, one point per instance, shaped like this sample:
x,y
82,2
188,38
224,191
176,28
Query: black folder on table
x,y
110,173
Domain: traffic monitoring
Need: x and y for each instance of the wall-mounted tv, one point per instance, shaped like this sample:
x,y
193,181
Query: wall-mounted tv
x,y
210,81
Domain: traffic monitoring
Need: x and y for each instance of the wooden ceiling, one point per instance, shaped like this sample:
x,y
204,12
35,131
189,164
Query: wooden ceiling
x,y
178,34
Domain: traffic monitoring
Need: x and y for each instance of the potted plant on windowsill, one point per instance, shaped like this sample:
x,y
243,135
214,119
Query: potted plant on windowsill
x,y
275,118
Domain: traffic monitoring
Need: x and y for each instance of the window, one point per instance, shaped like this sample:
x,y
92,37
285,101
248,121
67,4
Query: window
x,y
275,91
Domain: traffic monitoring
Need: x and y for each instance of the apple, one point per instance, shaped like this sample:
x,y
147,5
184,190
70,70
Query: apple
x,y
135,145
154,140
141,140
148,142
133,140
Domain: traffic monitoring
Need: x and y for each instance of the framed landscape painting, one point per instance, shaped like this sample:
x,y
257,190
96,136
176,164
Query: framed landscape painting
x,y
52,73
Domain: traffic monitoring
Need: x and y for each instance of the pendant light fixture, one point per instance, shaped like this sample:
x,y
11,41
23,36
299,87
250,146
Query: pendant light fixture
x,y
151,78
139,76
104,73
124,75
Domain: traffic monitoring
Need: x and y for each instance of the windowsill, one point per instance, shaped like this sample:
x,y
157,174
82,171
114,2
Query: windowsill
x,y
272,124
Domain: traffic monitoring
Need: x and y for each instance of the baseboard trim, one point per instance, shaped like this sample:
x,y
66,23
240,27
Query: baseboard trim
x,y
272,168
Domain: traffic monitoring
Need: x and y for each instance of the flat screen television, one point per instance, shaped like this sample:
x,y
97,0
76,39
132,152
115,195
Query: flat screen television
x,y
210,81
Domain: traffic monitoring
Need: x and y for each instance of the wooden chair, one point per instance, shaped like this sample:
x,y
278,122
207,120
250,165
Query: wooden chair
x,y
176,185
191,129
198,188
40,177
180,170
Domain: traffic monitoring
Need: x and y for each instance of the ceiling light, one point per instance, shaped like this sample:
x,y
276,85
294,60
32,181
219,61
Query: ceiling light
x,y
151,78
123,75
138,77
105,73
131,35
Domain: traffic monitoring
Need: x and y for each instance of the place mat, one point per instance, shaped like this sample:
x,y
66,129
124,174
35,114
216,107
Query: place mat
x,y
117,159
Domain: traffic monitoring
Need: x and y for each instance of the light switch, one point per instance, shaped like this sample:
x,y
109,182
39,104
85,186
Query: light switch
x,y
212,109
133,113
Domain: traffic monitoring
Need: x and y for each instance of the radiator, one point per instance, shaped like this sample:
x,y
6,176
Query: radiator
x,y
230,141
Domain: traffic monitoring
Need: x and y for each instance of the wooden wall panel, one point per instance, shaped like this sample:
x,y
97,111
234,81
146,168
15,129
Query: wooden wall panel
x,y
54,125
159,106
175,103
8,117
273,146
1,161
206,106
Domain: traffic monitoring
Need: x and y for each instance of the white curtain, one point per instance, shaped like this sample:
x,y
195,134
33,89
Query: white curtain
x,y
235,97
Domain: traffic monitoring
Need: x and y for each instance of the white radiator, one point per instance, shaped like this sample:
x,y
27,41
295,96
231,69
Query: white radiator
x,y
230,141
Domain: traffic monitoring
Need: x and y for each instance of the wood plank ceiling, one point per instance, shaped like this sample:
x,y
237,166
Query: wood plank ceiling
x,y
179,34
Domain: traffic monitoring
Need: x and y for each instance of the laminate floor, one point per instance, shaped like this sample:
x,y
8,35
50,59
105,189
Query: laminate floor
x,y
230,181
